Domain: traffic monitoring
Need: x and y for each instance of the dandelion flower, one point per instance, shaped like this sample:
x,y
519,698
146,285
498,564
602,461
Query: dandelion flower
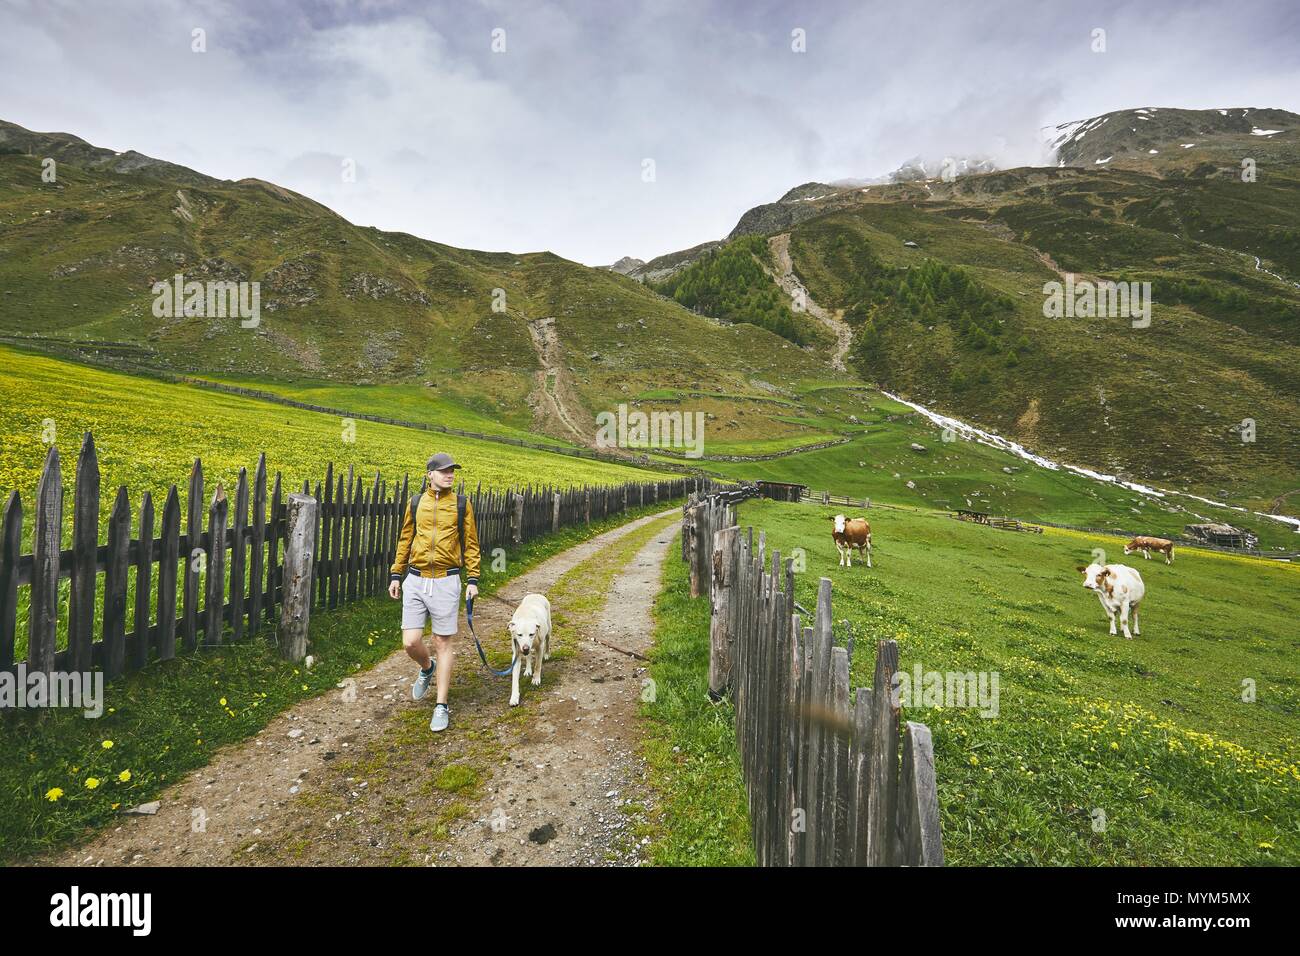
x,y
92,783
124,776
53,794
107,745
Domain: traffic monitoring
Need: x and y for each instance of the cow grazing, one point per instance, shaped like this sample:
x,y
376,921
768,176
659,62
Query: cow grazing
x,y
1119,588
850,533
1146,545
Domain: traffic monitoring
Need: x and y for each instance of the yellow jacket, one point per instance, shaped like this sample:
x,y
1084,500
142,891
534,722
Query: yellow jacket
x,y
434,546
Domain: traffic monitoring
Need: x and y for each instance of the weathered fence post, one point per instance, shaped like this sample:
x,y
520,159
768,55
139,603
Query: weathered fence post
x,y
919,840
555,511
586,506
517,521
43,617
194,560
300,546
696,526
688,518
85,542
881,802
214,606
11,541
724,556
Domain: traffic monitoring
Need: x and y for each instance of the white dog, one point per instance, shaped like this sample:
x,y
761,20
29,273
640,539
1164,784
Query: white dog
x,y
1119,588
530,637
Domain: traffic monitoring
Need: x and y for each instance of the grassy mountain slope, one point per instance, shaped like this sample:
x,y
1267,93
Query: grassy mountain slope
x,y
913,266
879,462
729,283
340,303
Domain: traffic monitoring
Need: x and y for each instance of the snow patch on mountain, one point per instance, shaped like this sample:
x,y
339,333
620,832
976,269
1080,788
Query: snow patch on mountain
x,y
994,440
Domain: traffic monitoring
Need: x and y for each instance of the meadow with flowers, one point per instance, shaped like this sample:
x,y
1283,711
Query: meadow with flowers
x,y
148,433
1179,747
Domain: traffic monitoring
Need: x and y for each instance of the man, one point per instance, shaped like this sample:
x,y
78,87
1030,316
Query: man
x,y
434,551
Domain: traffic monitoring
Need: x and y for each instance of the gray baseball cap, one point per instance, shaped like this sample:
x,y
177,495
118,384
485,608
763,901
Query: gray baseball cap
x,y
440,461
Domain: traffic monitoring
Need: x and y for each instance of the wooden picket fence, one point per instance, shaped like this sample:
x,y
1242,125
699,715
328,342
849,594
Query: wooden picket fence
x,y
829,498
215,572
995,521
822,767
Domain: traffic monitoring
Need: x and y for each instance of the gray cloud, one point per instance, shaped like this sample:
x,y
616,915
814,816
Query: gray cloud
x,y
541,147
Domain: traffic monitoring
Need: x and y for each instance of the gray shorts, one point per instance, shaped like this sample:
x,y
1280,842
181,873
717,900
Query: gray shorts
x,y
431,598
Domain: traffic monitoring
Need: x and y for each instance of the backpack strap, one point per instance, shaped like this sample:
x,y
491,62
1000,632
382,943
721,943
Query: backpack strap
x,y
460,527
415,507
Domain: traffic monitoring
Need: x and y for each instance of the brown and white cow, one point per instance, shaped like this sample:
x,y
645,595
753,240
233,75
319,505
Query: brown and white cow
x,y
850,533
1147,545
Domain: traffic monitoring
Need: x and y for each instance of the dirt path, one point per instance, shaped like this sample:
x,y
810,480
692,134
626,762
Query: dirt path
x,y
572,789
355,777
789,282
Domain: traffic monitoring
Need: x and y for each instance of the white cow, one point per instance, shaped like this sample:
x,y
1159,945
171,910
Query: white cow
x,y
1119,588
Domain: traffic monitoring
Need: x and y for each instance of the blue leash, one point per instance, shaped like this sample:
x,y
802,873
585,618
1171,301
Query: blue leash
x,y
469,618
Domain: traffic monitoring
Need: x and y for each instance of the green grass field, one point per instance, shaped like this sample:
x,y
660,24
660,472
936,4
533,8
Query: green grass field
x,y
879,462
1153,732
148,433
439,405
690,744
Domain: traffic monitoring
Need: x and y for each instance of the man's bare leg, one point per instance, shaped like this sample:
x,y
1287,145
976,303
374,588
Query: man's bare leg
x,y
413,641
442,646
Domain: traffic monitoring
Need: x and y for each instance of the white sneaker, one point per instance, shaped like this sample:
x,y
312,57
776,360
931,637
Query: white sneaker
x,y
441,718
422,682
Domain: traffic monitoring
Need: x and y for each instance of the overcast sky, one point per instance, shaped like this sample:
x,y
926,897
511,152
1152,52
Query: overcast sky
x,y
544,145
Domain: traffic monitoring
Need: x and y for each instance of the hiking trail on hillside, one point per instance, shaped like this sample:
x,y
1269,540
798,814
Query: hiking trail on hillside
x,y
554,385
333,781
789,282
